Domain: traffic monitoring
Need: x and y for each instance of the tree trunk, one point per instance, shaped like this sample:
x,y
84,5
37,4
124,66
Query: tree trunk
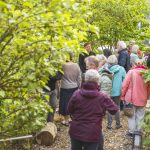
x,y
47,135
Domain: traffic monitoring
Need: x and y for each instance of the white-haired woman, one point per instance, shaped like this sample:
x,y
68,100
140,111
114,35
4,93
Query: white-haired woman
x,y
87,107
118,77
102,60
134,56
106,75
123,57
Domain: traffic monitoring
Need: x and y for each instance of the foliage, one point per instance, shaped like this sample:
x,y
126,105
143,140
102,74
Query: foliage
x,y
119,20
147,128
35,38
146,75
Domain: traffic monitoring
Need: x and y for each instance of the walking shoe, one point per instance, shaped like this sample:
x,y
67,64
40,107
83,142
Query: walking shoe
x,y
109,127
131,135
118,127
65,123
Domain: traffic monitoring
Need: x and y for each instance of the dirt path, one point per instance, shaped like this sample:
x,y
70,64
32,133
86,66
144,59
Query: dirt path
x,y
115,139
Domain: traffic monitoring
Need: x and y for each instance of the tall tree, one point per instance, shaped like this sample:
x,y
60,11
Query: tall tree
x,y
35,38
118,20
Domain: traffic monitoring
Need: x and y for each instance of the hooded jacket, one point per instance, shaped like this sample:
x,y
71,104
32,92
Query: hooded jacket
x,y
87,107
134,89
106,81
119,74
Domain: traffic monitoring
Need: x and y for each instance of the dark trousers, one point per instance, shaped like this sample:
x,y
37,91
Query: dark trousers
x,y
121,105
80,145
53,104
101,143
117,115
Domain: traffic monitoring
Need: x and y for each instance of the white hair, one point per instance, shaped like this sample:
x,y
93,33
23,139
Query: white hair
x,y
132,42
121,45
92,75
112,59
138,62
101,58
134,49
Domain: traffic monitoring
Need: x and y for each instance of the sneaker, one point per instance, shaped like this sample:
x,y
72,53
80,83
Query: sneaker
x,y
118,127
65,123
109,127
131,135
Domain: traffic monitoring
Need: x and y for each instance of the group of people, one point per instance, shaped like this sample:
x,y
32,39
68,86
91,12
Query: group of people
x,y
99,83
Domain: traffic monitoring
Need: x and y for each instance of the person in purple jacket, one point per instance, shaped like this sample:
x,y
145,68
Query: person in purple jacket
x,y
87,107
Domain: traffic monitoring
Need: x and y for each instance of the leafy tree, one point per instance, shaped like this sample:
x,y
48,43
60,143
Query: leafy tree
x,y
146,75
119,20
35,38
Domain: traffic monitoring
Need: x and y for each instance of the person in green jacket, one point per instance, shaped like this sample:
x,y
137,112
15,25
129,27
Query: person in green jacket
x,y
106,75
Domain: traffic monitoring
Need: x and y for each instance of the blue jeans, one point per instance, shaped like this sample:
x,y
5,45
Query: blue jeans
x,y
117,115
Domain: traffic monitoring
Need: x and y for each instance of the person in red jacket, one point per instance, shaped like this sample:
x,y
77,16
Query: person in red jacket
x,y
135,91
87,107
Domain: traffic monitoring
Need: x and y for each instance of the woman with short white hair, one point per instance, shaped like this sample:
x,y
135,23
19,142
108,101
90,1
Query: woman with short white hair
x,y
118,77
112,60
92,76
121,45
102,60
123,57
87,107
106,75
134,55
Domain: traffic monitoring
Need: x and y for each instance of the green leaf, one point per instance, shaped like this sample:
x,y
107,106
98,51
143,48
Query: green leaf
x,y
28,4
2,4
2,93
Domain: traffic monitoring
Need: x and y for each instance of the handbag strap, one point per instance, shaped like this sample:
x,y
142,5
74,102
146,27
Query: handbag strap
x,y
132,86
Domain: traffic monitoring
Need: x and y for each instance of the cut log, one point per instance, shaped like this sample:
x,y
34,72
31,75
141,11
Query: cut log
x,y
47,135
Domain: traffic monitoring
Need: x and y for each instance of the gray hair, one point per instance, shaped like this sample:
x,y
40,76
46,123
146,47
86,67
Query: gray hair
x,y
112,59
134,49
121,45
92,75
101,58
92,60
139,62
132,42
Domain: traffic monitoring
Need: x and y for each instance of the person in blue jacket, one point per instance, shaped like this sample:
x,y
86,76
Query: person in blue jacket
x,y
118,77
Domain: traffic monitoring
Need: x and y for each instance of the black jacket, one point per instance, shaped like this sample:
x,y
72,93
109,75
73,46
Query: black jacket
x,y
81,60
52,81
148,61
124,59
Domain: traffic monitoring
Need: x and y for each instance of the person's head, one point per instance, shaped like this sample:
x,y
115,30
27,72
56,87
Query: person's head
x,y
121,45
138,62
88,47
91,62
107,52
134,49
102,60
112,60
132,42
92,75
